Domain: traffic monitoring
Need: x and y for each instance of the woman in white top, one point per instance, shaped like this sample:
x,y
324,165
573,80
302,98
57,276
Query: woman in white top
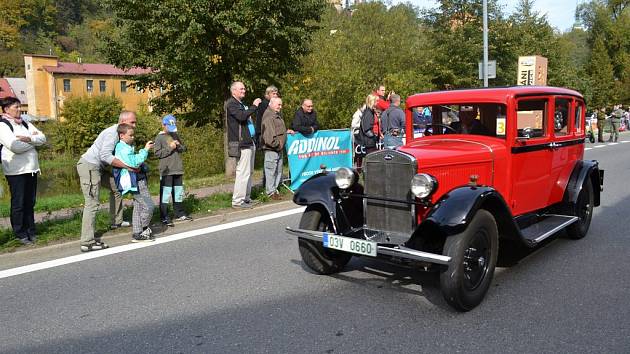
x,y
20,166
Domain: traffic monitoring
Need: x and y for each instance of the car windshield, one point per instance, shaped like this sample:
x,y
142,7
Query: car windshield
x,y
470,118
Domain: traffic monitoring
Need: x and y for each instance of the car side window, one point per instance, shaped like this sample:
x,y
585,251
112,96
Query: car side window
x,y
531,119
579,109
561,117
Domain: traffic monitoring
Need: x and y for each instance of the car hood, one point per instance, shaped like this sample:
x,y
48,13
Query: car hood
x,y
440,151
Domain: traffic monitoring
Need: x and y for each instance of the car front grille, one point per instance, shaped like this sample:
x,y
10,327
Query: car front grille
x,y
388,175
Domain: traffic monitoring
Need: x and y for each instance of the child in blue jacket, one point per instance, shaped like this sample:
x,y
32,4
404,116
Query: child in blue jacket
x,y
135,182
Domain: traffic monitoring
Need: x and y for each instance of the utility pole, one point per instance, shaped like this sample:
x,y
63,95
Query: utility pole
x,y
484,69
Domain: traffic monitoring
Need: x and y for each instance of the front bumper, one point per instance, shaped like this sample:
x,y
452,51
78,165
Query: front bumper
x,y
396,251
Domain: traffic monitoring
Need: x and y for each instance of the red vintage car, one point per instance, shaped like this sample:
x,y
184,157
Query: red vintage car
x,y
496,164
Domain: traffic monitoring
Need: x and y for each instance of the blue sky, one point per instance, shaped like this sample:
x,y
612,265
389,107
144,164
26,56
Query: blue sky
x,y
560,13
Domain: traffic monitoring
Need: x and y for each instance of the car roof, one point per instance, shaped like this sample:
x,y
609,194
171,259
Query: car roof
x,y
485,95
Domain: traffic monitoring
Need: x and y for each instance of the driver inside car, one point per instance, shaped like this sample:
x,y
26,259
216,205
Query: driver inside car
x,y
468,122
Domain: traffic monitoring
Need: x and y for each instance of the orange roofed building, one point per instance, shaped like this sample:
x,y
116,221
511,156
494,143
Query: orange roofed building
x,y
50,82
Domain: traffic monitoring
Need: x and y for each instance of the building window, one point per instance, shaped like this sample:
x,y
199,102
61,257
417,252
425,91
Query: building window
x,y
89,85
66,85
123,86
102,86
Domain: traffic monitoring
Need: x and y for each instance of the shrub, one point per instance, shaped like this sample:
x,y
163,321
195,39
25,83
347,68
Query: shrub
x,y
83,119
204,150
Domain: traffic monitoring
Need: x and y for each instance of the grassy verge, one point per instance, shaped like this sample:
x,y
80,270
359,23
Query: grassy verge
x,y
70,229
74,199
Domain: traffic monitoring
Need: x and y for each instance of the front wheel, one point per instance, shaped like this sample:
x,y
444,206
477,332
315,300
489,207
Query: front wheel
x,y
583,209
473,259
321,260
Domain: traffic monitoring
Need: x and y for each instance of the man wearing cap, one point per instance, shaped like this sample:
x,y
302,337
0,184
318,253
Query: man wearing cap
x,y
168,149
468,122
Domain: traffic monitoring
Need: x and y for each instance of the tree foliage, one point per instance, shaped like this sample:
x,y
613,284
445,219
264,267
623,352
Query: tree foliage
x,y
197,47
351,55
44,27
600,70
83,118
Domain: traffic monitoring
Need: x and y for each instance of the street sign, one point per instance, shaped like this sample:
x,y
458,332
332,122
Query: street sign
x,y
492,69
532,70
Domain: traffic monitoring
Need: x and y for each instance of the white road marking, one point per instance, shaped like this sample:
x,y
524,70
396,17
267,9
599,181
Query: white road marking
x,y
134,246
586,149
625,141
613,143
599,146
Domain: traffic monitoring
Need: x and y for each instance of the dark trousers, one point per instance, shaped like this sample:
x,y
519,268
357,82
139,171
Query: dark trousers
x,y
23,190
171,188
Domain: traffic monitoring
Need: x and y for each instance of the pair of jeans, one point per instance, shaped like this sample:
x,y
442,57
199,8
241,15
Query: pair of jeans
x,y
142,207
243,180
273,171
171,186
91,178
390,141
23,190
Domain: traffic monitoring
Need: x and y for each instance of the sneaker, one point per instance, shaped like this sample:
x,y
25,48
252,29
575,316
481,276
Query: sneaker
x,y
98,245
142,237
25,241
184,218
167,222
252,202
243,205
122,224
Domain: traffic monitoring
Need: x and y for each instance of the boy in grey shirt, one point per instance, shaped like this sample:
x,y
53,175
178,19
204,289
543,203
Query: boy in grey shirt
x,y
168,149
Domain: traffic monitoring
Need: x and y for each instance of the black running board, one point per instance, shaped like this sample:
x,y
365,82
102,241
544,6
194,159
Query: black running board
x,y
547,226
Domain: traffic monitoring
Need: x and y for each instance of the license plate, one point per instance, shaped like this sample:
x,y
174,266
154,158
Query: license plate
x,y
348,244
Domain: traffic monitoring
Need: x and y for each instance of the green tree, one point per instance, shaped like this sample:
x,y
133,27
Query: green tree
x,y
83,118
351,55
197,47
456,37
601,75
609,21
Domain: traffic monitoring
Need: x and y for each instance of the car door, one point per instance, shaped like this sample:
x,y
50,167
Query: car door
x,y
531,165
567,142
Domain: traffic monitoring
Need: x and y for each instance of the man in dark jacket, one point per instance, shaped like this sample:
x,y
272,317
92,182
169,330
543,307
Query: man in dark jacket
x,y
393,124
305,121
241,129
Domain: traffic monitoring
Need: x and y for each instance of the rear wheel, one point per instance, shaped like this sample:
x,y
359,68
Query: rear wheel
x,y
473,259
315,256
583,209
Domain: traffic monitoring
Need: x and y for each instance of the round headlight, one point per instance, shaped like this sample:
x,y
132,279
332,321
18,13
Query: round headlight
x,y
422,185
345,177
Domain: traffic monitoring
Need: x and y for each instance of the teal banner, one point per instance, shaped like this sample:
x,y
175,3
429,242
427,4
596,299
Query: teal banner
x,y
307,154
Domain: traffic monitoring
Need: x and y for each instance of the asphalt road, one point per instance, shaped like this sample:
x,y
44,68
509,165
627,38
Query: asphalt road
x,y
245,290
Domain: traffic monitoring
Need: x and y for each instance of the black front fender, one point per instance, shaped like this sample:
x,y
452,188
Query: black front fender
x,y
455,210
321,191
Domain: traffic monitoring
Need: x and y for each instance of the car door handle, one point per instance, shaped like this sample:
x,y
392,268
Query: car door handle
x,y
553,145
